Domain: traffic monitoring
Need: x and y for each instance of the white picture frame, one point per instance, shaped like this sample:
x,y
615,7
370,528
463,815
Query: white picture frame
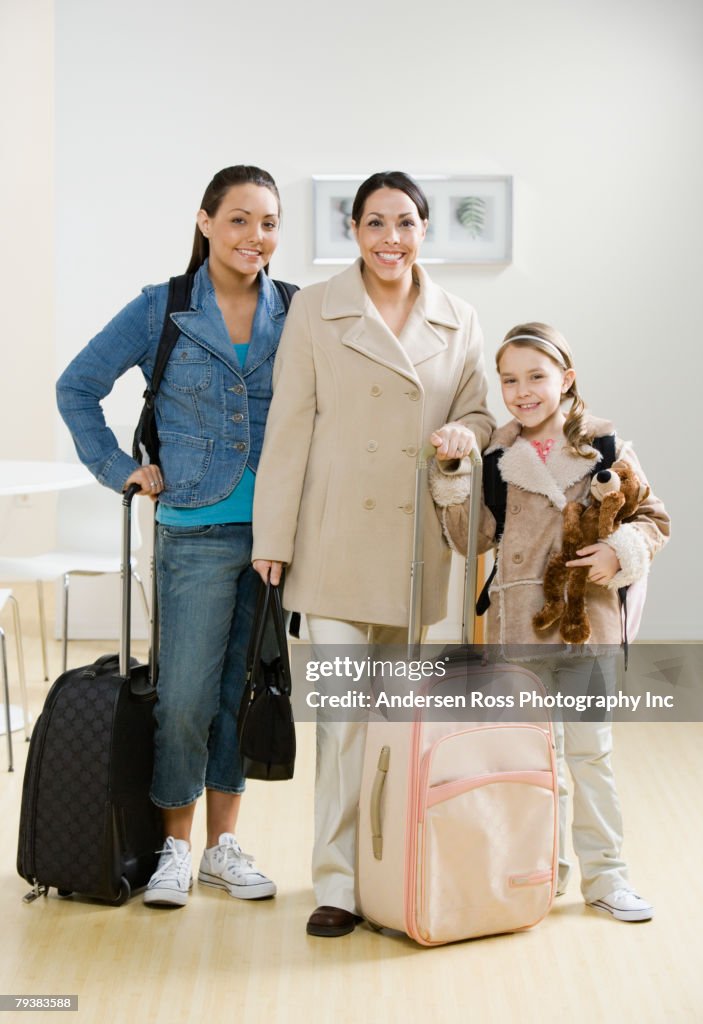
x,y
471,218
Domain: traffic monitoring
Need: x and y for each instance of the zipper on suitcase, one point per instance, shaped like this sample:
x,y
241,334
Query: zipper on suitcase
x,y
38,738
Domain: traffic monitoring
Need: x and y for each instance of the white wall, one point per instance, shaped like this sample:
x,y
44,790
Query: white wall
x,y
595,109
26,258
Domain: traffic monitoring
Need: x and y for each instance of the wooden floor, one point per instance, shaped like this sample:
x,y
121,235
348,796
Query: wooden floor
x,y
221,959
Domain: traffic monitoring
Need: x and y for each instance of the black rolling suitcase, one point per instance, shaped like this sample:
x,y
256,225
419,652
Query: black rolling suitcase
x,y
87,825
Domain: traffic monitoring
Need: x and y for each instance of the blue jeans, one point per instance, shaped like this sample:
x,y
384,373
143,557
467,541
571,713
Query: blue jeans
x,y
207,597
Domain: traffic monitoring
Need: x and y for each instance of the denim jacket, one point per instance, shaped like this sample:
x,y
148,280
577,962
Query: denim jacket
x,y
210,411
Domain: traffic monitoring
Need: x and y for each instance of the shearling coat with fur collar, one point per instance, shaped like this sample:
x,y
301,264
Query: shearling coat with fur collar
x,y
536,495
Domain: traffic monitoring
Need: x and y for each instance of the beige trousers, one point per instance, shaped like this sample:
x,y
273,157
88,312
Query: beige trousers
x,y
586,747
340,758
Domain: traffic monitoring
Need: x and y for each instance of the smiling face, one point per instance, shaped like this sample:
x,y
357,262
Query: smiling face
x,y
533,387
389,233
243,232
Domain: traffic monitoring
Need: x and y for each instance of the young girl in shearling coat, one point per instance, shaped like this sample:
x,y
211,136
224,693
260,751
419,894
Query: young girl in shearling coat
x,y
548,461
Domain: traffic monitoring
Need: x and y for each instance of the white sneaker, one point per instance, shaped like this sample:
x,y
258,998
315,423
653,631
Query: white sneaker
x,y
226,867
625,905
173,878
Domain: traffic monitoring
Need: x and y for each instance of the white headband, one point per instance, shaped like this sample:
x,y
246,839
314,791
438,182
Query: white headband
x,y
549,345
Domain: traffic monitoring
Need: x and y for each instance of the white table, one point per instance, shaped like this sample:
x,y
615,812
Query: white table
x,y
29,476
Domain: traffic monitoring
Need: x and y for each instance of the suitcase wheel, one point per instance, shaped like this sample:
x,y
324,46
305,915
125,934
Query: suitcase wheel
x,y
125,892
65,893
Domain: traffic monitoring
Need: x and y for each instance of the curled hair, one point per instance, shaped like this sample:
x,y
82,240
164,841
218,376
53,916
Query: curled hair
x,y
390,179
552,343
239,174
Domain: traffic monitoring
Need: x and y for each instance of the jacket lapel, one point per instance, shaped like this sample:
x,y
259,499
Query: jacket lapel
x,y
421,338
433,314
267,325
521,466
205,325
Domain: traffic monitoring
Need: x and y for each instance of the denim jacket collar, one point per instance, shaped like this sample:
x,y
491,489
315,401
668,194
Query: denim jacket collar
x,y
205,325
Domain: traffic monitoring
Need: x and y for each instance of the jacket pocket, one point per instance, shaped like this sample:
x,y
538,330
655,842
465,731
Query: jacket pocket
x,y
189,369
184,459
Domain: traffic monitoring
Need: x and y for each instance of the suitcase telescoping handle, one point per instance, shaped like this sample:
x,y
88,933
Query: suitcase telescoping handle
x,y
126,572
418,564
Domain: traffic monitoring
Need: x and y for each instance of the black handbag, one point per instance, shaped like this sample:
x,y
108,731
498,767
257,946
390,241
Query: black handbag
x,y
265,723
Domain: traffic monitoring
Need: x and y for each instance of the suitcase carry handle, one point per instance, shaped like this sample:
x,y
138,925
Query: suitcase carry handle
x,y
418,565
384,760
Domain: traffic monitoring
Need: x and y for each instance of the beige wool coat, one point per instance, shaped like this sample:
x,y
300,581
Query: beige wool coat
x,y
352,406
536,495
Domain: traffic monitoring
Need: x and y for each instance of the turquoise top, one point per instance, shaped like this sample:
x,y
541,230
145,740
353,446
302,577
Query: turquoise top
x,y
237,507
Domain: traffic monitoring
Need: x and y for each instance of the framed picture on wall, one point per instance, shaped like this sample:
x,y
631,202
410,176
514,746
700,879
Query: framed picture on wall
x,y
471,218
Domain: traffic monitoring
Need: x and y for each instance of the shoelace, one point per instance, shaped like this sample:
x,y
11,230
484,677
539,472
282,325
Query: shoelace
x,y
621,893
179,858
233,851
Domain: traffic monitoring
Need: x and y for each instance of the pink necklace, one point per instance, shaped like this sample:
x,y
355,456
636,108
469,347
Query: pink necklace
x,y
543,448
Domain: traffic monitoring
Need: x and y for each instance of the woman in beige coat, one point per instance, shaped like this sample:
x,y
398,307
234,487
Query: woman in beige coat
x,y
547,460
371,365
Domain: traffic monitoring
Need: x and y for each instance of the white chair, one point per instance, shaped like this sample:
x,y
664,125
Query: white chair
x,y
88,543
9,710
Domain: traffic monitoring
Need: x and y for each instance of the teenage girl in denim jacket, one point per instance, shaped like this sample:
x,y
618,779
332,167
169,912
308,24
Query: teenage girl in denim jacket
x,y
210,411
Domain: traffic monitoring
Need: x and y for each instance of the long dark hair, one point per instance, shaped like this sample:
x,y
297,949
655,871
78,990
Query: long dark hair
x,y
390,179
239,174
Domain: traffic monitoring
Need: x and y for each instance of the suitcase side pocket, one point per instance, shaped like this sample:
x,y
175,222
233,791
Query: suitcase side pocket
x,y
486,840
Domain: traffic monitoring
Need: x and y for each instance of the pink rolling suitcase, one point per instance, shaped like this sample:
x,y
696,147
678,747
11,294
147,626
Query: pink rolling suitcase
x,y
457,833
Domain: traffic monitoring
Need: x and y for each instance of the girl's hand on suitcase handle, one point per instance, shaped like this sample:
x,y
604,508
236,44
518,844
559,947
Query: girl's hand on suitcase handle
x,y
453,441
149,479
264,566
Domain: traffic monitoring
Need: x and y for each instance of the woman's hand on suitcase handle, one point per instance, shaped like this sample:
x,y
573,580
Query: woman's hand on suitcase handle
x,y
264,567
149,479
453,441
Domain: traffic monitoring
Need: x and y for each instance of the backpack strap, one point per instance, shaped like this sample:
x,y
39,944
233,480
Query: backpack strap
x,y
179,292
286,291
495,496
145,445
605,445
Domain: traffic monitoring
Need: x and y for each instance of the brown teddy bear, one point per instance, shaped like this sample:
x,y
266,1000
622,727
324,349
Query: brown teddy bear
x,y
616,493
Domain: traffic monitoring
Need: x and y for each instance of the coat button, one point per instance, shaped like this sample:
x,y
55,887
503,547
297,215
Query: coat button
x,y
240,446
238,389
369,503
376,390
238,417
517,558
372,446
515,508
411,450
407,508
413,395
